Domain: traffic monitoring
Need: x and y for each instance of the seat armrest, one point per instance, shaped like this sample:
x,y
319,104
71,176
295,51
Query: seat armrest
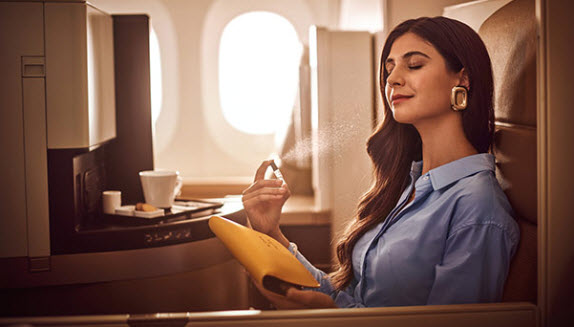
x,y
467,315
522,314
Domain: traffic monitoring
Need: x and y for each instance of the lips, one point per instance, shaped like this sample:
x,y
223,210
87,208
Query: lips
x,y
398,98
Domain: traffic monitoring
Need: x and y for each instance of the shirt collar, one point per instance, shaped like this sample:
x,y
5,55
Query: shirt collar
x,y
455,170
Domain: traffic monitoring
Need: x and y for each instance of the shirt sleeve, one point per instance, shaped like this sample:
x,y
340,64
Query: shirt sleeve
x,y
343,299
474,266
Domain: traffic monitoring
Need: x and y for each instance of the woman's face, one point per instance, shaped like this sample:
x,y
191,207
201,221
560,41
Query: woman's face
x,y
419,84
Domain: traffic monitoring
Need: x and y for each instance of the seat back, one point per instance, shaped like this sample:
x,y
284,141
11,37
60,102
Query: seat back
x,y
510,37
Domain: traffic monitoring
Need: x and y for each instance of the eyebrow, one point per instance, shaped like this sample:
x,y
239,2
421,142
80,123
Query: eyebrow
x,y
407,55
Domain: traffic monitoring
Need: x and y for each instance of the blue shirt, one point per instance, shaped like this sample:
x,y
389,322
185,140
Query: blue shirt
x,y
452,244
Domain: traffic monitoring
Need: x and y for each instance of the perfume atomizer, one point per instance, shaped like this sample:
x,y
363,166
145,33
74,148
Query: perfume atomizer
x,y
276,171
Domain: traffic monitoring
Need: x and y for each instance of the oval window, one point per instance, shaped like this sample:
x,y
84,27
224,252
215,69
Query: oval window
x,y
259,56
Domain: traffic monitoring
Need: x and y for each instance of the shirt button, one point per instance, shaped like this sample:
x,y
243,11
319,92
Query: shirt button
x,y
426,178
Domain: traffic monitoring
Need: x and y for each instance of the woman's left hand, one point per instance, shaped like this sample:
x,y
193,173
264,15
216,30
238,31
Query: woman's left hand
x,y
298,299
310,299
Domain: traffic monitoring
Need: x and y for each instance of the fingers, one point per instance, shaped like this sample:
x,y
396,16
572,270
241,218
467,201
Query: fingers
x,y
298,296
272,191
287,190
260,174
310,299
263,183
277,193
255,203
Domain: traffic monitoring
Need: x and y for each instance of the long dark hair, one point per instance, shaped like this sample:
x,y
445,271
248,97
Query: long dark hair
x,y
393,146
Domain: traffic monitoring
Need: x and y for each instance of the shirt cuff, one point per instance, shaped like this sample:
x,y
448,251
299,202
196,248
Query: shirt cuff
x,y
292,248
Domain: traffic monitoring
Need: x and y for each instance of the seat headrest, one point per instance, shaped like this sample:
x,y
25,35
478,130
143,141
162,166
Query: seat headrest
x,y
510,37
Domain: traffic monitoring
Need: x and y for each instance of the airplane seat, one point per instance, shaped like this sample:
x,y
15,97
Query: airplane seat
x,y
510,37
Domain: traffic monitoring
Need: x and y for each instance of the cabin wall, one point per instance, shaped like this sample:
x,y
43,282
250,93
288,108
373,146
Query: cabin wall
x,y
400,10
182,139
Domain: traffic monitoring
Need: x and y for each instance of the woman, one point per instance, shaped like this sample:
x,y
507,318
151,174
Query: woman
x,y
435,227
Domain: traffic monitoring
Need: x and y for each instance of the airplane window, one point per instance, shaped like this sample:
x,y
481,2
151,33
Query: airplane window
x,y
155,76
259,56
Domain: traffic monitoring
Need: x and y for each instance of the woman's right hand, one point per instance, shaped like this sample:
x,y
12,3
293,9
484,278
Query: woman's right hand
x,y
263,201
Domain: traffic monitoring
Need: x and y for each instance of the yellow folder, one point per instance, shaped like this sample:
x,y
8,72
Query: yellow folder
x,y
269,263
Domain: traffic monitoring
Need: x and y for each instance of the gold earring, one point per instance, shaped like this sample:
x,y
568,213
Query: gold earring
x,y
458,98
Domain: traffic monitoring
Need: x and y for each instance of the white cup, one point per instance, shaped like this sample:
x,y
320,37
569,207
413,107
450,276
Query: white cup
x,y
110,201
160,187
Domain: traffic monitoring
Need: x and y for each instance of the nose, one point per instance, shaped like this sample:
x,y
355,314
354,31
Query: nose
x,y
395,78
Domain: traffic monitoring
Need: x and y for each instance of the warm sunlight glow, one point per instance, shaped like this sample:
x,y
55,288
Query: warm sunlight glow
x,y
259,58
155,77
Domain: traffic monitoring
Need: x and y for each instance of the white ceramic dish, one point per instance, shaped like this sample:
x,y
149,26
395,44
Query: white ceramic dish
x,y
126,210
149,214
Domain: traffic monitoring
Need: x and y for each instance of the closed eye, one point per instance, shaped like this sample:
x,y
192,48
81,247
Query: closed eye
x,y
415,67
